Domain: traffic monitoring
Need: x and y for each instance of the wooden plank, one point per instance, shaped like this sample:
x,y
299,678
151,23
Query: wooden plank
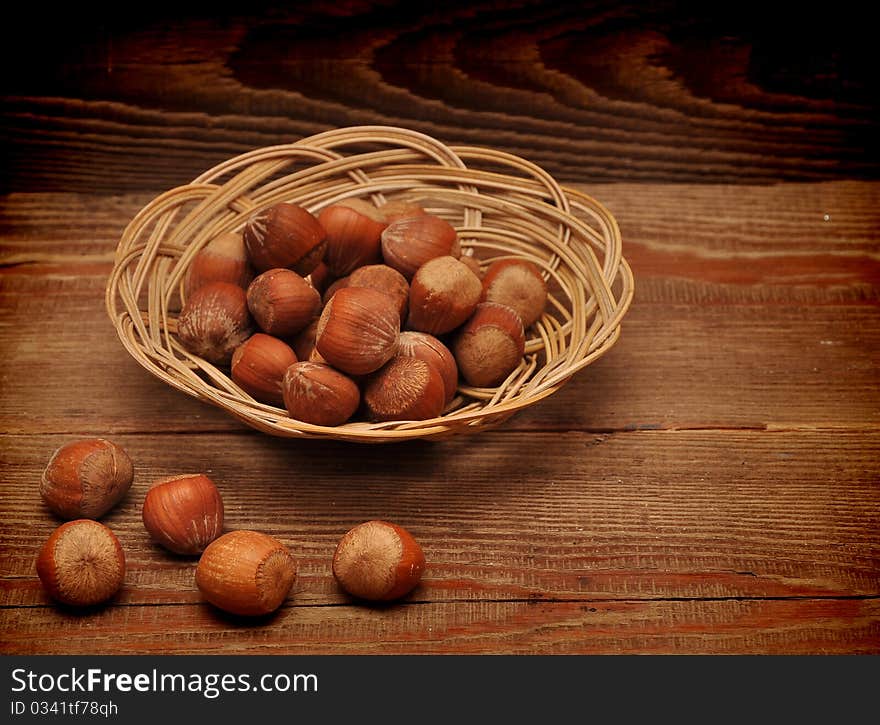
x,y
801,626
645,515
592,93
777,309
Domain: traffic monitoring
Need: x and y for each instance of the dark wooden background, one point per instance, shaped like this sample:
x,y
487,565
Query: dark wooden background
x,y
711,485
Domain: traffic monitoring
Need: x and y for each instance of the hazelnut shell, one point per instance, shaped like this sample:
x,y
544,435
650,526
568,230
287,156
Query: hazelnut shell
x,y
443,294
411,241
215,321
407,388
258,366
285,235
315,393
490,345
282,303
183,513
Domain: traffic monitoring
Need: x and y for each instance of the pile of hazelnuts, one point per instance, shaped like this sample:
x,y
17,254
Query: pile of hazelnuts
x,y
247,573
360,312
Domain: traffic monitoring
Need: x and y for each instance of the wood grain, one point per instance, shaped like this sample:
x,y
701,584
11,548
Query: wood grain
x,y
523,548
592,91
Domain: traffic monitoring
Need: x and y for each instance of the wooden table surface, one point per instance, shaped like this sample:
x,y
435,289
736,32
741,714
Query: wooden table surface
x,y
711,485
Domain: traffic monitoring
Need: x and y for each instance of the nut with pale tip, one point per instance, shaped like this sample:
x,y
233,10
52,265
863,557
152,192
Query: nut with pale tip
x,y
247,573
518,284
215,321
378,561
428,348
385,279
223,259
490,345
84,479
318,394
285,235
81,564
406,388
444,292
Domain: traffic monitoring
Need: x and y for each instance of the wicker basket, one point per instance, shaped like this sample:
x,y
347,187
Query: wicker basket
x,y
501,205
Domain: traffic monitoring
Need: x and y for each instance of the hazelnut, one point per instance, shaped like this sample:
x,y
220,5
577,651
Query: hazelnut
x,y
246,572
407,388
410,242
333,288
490,345
443,294
215,321
473,264
183,513
320,278
284,235
518,284
354,235
358,331
282,302
223,259
258,366
428,348
378,561
385,279
85,479
303,342
316,393
394,210
81,563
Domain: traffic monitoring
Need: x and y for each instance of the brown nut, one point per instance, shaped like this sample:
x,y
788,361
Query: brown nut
x,y
223,259
490,345
85,479
316,393
215,321
359,330
410,242
354,235
285,235
246,572
428,348
303,343
258,366
320,278
518,284
81,563
472,263
378,561
385,279
183,513
407,388
333,288
443,294
282,303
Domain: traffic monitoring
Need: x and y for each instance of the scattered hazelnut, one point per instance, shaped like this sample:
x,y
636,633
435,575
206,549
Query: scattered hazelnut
x,y
516,283
394,210
215,321
354,234
406,388
284,235
316,393
223,259
85,479
358,331
411,241
183,513
443,294
246,572
385,279
490,345
282,302
258,366
378,561
428,348
81,563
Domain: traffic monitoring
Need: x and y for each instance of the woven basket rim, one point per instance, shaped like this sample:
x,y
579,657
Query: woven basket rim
x,y
501,205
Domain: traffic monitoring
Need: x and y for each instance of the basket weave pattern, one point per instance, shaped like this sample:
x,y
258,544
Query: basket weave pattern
x,y
501,205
